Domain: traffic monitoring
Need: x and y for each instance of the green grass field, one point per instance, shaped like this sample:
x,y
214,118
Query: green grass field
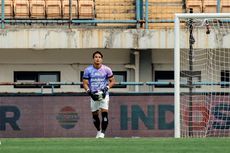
x,y
115,145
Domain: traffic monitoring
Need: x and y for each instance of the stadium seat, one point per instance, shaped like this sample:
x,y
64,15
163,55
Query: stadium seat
x,y
164,12
161,25
21,9
8,8
37,8
210,6
165,9
86,9
196,5
53,9
115,10
166,1
225,6
65,7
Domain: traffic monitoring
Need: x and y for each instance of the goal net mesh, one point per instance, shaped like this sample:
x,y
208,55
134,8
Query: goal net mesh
x,y
204,77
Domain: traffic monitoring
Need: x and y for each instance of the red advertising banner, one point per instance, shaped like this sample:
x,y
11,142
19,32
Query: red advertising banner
x,y
70,116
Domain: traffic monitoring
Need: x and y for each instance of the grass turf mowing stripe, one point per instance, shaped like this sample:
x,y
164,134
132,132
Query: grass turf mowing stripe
x,y
111,145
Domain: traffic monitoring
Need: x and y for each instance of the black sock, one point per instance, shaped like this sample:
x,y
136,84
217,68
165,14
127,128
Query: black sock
x,y
104,122
96,121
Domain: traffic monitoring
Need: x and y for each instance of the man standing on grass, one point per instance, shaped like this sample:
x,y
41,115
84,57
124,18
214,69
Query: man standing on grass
x,y
97,80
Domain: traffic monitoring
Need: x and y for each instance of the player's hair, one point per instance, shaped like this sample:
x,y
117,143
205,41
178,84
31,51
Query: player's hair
x,y
97,52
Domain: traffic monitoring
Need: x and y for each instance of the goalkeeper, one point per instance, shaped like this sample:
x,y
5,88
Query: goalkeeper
x,y
97,80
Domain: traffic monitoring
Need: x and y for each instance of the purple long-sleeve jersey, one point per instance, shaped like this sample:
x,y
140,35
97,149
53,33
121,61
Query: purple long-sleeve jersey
x,y
98,78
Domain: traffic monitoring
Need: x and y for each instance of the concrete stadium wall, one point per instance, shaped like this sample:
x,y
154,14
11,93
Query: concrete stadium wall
x,y
84,38
44,38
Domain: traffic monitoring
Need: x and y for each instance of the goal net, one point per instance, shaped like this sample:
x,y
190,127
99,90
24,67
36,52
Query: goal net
x,y
202,75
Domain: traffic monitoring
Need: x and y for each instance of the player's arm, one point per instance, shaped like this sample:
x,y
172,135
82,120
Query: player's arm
x,y
86,84
111,82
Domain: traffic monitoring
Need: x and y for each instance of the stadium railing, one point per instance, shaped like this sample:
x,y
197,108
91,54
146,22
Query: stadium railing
x,y
152,87
53,85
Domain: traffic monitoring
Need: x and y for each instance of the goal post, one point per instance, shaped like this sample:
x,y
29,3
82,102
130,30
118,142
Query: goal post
x,y
202,74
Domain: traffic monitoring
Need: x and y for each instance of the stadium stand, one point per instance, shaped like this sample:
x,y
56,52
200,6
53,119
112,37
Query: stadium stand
x,y
21,9
159,11
8,8
37,8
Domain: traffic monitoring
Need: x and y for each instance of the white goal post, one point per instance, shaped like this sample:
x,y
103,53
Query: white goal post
x,y
202,74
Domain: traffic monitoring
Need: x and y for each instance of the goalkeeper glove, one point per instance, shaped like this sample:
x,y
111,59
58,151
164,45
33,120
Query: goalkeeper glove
x,y
105,91
92,95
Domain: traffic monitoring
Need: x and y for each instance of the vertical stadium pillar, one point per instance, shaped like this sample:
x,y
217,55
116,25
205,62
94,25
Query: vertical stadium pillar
x,y
146,14
3,14
218,6
137,66
137,13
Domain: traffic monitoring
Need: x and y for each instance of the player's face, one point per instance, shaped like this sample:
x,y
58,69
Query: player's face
x,y
97,59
